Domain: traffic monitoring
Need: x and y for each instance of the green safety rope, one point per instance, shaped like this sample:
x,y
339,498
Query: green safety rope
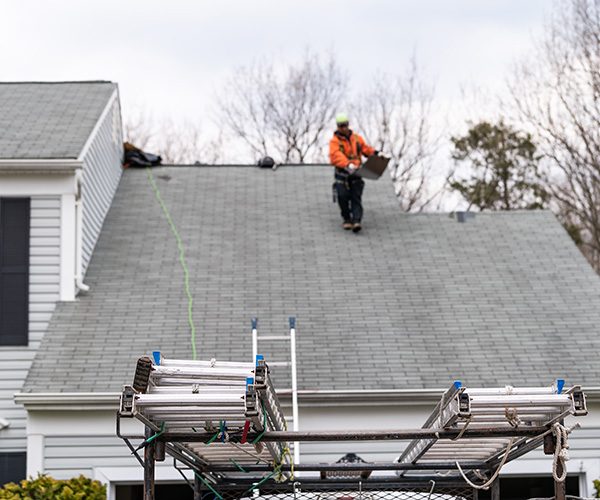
x,y
265,426
185,270
239,466
269,476
211,488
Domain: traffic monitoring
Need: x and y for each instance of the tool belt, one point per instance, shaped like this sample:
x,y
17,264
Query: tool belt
x,y
340,176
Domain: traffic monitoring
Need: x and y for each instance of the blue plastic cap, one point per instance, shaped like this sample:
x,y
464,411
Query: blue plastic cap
x,y
458,384
560,383
249,381
156,355
254,323
292,322
259,357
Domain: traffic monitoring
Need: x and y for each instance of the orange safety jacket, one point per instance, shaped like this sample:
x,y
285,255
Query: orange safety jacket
x,y
348,149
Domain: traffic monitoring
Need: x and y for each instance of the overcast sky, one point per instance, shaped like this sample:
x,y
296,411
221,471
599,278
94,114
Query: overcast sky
x,y
169,56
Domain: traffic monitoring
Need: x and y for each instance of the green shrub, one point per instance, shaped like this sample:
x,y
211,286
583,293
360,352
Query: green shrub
x,y
46,488
597,487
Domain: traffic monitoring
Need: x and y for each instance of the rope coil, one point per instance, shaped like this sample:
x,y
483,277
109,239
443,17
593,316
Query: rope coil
x,y
561,449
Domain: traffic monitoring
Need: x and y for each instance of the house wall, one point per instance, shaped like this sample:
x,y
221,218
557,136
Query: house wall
x,y
53,249
66,443
44,291
584,443
102,168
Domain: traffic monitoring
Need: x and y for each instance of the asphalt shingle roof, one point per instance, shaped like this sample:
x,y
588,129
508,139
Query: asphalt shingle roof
x,y
413,301
49,120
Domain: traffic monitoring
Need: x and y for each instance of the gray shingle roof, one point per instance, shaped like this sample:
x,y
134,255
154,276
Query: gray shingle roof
x,y
49,120
414,301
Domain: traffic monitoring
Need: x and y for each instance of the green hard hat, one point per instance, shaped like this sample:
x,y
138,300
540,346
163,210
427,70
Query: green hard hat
x,y
341,118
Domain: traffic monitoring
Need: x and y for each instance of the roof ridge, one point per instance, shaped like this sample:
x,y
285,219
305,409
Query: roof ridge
x,y
56,82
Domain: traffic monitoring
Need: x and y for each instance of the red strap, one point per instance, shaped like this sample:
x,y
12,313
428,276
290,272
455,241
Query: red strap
x,y
245,433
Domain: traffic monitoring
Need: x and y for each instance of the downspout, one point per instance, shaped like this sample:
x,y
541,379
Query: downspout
x,y
79,233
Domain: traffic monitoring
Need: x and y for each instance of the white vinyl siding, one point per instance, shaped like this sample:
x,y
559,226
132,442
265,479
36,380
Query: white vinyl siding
x,y
102,169
92,445
67,457
44,284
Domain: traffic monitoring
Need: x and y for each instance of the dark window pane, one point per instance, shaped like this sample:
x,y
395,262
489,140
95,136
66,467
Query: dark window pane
x,y
14,270
523,488
13,467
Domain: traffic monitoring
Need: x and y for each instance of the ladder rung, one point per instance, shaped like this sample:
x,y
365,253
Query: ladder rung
x,y
273,337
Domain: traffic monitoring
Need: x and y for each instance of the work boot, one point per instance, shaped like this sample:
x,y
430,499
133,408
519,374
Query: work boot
x,y
347,225
356,227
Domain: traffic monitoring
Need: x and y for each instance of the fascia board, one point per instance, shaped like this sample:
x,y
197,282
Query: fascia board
x,y
44,166
114,96
68,400
110,400
42,184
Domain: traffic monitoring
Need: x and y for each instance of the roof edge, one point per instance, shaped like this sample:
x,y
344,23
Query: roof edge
x,y
110,400
99,122
68,400
57,82
45,166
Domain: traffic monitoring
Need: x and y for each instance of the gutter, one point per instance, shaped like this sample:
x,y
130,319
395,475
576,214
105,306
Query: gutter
x,y
68,400
306,398
45,166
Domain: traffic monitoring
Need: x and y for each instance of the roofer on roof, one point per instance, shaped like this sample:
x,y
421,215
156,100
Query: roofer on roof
x,y
345,150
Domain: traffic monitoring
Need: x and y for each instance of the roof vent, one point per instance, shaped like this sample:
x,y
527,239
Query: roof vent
x,y
462,216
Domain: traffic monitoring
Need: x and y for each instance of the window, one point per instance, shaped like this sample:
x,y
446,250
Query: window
x,y
12,467
14,270
523,488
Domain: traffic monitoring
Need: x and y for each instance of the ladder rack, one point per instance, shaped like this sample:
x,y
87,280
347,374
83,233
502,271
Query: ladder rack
x,y
176,398
500,408
223,421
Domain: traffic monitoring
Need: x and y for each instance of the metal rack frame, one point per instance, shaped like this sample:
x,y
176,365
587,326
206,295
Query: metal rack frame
x,y
180,402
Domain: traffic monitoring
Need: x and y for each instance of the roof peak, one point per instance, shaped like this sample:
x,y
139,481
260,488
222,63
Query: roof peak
x,y
56,83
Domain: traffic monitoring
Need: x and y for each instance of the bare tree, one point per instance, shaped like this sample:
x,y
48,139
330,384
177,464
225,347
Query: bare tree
x,y
176,143
557,93
282,111
138,128
395,115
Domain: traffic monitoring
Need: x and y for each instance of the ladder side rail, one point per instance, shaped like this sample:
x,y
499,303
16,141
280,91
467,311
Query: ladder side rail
x,y
516,391
512,401
273,410
203,382
191,400
254,339
202,372
195,388
266,389
188,363
294,367
419,446
444,402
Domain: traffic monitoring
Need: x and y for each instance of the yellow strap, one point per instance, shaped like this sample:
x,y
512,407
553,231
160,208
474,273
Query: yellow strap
x,y
353,157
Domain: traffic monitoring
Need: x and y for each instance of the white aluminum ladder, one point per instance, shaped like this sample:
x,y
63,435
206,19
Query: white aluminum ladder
x,y
291,338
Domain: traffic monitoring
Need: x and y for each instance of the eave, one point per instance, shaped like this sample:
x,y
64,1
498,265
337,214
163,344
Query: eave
x,y
39,166
306,398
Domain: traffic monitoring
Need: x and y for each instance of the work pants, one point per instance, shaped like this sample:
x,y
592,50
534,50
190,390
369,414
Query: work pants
x,y
349,194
